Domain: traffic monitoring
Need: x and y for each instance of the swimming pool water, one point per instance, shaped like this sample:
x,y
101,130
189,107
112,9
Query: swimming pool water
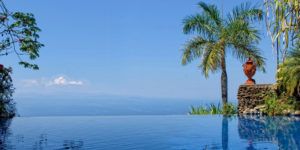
x,y
177,132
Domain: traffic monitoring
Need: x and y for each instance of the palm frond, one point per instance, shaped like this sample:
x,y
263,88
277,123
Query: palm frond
x,y
212,11
211,59
199,23
242,38
194,49
247,13
243,51
241,30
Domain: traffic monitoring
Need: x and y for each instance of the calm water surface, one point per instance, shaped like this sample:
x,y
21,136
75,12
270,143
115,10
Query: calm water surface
x,y
178,132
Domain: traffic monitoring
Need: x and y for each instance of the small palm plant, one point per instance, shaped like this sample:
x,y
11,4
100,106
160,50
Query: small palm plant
x,y
214,109
217,37
206,110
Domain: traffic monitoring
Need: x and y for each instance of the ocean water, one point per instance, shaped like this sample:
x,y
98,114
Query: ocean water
x,y
45,106
150,132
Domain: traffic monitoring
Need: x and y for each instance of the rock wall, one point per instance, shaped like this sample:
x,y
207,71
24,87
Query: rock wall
x,y
250,96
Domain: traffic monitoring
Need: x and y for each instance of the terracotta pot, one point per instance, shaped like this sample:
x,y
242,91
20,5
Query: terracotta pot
x,y
249,70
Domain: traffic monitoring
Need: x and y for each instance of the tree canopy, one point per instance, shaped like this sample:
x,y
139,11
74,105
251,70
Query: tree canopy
x,y
19,35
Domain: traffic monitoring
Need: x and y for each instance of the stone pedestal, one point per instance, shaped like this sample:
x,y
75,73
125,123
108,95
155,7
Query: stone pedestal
x,y
250,96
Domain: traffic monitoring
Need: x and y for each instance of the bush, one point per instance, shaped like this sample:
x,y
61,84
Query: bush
x,y
229,109
279,104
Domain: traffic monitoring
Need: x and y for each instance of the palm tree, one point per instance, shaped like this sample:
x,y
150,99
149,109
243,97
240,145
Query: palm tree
x,y
289,72
217,37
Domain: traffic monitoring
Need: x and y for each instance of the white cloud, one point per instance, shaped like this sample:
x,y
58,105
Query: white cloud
x,y
63,81
58,81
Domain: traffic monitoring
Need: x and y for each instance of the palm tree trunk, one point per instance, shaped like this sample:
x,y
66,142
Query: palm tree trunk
x,y
224,86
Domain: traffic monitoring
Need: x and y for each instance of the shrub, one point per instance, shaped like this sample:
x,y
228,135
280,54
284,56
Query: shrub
x,y
229,109
279,104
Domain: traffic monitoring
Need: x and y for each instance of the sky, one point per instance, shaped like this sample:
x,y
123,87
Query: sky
x,y
129,48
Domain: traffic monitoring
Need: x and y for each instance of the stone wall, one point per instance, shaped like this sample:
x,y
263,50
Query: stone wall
x,y
250,96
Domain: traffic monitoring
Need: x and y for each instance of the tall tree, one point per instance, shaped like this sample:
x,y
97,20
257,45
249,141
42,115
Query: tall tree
x,y
19,35
217,37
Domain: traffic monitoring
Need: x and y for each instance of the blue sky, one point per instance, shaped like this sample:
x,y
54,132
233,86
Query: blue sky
x,y
122,48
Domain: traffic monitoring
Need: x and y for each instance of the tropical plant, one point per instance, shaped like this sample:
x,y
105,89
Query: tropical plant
x,y
19,35
200,110
279,104
288,75
216,37
213,109
205,110
285,27
229,109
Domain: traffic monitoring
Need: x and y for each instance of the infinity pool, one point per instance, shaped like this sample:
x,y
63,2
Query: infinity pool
x,y
180,132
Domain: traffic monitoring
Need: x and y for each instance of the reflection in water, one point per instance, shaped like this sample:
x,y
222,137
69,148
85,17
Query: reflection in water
x,y
225,133
5,143
4,134
285,131
41,143
71,144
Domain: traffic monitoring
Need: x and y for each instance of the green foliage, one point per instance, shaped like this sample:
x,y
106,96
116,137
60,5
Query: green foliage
x,y
200,110
288,75
205,110
19,34
287,85
213,109
279,105
229,109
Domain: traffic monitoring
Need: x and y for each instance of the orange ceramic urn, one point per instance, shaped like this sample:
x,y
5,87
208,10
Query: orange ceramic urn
x,y
249,70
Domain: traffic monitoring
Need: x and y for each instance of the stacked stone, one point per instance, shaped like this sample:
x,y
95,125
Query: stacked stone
x,y
251,97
